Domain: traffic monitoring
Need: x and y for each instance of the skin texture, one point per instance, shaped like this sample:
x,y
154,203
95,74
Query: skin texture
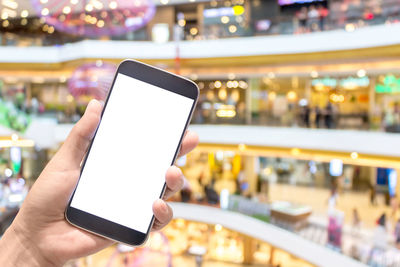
x,y
40,235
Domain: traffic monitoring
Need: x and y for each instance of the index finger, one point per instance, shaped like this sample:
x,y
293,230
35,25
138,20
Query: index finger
x,y
190,141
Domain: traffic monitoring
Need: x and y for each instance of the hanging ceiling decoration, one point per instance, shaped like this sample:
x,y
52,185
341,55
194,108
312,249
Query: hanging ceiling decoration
x,y
92,80
94,18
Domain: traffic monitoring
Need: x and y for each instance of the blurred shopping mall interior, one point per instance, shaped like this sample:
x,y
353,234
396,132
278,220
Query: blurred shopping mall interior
x,y
298,119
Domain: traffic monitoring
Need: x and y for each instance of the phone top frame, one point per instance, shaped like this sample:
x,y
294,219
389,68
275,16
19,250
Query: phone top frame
x,y
166,81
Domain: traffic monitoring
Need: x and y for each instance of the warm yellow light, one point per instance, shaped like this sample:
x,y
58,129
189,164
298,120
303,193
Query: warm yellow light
x,y
66,10
45,28
100,23
226,111
4,15
242,147
50,30
70,98
271,75
222,94
337,98
218,227
97,4
180,223
291,95
217,84
224,19
24,13
45,11
113,5
243,85
24,22
74,2
5,23
295,151
235,95
232,29
314,74
354,155
194,31
17,143
272,96
350,27
182,22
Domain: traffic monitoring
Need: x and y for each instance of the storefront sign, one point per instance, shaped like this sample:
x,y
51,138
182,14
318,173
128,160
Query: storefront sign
x,y
353,83
223,11
390,85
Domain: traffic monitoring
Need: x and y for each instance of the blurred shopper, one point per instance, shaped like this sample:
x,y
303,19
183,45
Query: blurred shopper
x,y
318,116
186,191
211,195
397,234
356,223
302,17
313,19
372,195
380,241
328,116
305,116
323,14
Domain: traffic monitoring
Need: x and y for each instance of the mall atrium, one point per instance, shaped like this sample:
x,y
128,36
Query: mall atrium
x,y
298,120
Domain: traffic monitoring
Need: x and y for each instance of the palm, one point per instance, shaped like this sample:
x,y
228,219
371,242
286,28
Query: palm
x,y
60,239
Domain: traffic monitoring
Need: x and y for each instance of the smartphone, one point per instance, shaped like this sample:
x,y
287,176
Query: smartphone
x,y
138,138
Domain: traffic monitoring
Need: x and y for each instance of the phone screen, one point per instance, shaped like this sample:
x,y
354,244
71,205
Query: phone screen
x,y
135,144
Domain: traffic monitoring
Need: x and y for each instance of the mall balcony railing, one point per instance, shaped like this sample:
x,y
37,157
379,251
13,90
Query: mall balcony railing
x,y
348,20
349,121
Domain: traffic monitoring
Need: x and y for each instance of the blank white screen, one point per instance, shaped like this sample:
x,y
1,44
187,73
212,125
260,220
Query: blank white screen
x,y
133,148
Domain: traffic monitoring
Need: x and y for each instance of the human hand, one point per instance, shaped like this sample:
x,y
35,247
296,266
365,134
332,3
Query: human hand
x,y
40,235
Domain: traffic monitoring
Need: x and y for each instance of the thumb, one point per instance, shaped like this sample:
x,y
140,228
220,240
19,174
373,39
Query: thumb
x,y
72,151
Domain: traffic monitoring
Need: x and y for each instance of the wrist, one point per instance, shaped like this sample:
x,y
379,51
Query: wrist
x,y
17,250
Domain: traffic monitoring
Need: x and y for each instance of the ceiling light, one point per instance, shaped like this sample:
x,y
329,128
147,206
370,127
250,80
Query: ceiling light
x,y
361,73
50,30
100,23
45,11
66,10
314,74
113,5
10,4
232,29
24,13
224,19
44,1
74,2
164,2
89,7
4,15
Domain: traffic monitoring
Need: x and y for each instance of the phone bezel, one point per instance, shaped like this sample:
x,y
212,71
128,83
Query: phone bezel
x,y
164,80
